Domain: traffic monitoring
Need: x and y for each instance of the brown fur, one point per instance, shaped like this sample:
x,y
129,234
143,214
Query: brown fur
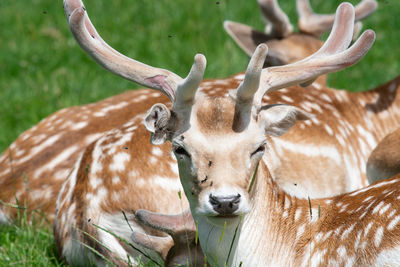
x,y
384,161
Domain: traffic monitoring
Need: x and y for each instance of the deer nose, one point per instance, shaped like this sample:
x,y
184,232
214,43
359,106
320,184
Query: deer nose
x,y
225,205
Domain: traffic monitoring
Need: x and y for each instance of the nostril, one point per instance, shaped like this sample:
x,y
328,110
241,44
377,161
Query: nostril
x,y
225,205
213,200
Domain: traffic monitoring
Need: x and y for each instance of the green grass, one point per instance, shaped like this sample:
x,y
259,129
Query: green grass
x,y
28,244
42,69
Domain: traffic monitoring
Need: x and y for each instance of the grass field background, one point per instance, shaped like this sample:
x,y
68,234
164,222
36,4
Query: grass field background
x,y
42,69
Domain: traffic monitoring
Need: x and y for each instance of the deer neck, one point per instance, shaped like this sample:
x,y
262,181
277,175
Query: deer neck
x,y
264,237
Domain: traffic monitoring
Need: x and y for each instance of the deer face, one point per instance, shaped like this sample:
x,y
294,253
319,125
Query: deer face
x,y
216,163
217,157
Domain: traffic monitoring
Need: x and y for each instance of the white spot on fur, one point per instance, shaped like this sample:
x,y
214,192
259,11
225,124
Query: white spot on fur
x,y
40,194
57,160
95,182
79,125
153,160
357,240
368,228
118,106
385,208
317,85
118,161
341,251
174,167
378,207
239,77
297,214
394,223
377,185
157,151
69,183
287,99
18,153
300,231
91,138
116,180
328,129
347,232
393,212
96,199
37,149
378,236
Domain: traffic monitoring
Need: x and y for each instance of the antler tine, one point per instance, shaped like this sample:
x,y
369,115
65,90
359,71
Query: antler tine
x,y
130,69
316,24
170,224
247,88
279,24
187,87
251,82
329,58
159,244
342,31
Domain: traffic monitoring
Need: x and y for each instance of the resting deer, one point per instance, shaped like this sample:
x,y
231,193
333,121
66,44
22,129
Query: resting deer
x,y
286,46
56,144
207,135
243,217
36,164
384,161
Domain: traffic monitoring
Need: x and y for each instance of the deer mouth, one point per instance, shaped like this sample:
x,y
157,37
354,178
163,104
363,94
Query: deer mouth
x,y
224,220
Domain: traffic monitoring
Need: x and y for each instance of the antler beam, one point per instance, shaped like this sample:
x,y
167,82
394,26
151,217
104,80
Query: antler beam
x,y
130,69
317,24
332,56
278,23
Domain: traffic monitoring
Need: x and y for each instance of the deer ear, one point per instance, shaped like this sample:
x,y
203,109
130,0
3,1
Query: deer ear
x,y
157,121
278,119
245,37
280,51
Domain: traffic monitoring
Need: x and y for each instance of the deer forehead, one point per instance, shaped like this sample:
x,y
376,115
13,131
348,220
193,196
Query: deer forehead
x,y
213,115
211,137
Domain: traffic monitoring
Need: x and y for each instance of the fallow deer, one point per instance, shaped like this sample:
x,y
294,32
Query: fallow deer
x,y
243,217
36,164
57,142
218,142
286,46
384,161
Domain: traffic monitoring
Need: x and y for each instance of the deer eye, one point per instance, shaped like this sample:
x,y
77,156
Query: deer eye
x,y
181,152
259,150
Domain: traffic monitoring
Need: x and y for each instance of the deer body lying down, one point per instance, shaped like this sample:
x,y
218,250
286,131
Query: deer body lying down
x,y
243,217
360,228
36,164
208,134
